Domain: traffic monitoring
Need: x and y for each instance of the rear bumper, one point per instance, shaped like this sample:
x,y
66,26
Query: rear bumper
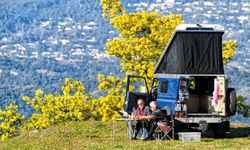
x,y
204,119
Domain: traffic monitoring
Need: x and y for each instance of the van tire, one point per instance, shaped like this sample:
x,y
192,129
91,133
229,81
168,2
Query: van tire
x,y
220,129
231,101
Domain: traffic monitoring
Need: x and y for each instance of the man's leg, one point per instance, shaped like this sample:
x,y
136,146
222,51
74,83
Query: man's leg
x,y
145,129
138,126
151,131
147,125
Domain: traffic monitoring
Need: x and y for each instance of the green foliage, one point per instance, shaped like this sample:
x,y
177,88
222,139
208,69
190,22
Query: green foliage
x,y
72,105
11,122
242,107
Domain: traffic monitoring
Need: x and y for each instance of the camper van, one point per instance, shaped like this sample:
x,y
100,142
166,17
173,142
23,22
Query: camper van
x,y
189,80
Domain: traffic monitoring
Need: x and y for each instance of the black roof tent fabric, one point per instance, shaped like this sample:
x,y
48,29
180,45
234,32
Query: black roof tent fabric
x,y
193,53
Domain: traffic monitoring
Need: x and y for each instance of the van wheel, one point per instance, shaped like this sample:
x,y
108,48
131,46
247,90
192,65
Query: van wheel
x,y
231,101
220,130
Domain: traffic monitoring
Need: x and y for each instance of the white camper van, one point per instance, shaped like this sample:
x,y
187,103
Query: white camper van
x,y
190,81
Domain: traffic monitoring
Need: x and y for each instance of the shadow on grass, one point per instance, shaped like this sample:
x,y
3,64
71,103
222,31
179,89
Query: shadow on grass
x,y
235,132
239,132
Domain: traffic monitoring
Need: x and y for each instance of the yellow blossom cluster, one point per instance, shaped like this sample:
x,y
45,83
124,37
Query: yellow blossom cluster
x,y
10,122
111,8
114,101
72,105
228,50
142,39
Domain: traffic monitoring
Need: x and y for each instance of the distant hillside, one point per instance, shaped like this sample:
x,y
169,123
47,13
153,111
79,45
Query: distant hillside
x,y
44,41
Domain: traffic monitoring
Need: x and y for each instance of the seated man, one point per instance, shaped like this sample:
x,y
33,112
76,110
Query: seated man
x,y
156,116
142,110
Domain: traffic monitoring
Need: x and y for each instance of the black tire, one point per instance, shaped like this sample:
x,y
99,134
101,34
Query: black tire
x,y
231,101
220,130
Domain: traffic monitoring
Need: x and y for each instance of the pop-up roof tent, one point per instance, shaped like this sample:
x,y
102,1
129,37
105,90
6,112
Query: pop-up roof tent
x,y
193,50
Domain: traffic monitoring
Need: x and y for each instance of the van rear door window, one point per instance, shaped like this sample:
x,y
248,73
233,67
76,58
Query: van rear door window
x,y
164,87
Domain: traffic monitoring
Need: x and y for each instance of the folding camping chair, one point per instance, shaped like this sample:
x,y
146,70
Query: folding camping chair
x,y
165,128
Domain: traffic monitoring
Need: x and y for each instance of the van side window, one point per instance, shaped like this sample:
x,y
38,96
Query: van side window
x,y
164,87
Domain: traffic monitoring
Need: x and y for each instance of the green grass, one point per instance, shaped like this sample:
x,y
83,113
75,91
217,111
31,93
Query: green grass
x,y
94,135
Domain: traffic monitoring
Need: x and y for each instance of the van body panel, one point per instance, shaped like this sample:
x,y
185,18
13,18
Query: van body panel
x,y
167,93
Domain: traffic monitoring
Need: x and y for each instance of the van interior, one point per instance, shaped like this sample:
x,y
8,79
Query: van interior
x,y
202,98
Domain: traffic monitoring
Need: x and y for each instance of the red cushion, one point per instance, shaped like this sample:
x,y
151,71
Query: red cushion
x,y
164,128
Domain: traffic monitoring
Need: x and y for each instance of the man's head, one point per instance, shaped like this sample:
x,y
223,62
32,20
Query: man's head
x,y
153,106
140,103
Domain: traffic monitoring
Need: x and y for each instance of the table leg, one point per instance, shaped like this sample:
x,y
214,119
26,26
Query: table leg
x,y
114,125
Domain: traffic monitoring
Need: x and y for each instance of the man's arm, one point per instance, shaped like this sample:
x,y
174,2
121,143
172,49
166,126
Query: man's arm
x,y
150,117
147,111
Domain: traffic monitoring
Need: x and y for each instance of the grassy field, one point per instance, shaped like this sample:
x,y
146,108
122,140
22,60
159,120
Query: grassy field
x,y
94,135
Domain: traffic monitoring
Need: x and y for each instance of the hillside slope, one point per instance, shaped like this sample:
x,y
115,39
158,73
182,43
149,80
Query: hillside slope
x,y
95,135
44,41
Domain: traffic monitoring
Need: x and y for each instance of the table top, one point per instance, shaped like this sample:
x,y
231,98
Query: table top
x,y
124,119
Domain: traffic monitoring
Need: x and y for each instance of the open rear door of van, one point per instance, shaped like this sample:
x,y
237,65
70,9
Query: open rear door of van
x,y
136,88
